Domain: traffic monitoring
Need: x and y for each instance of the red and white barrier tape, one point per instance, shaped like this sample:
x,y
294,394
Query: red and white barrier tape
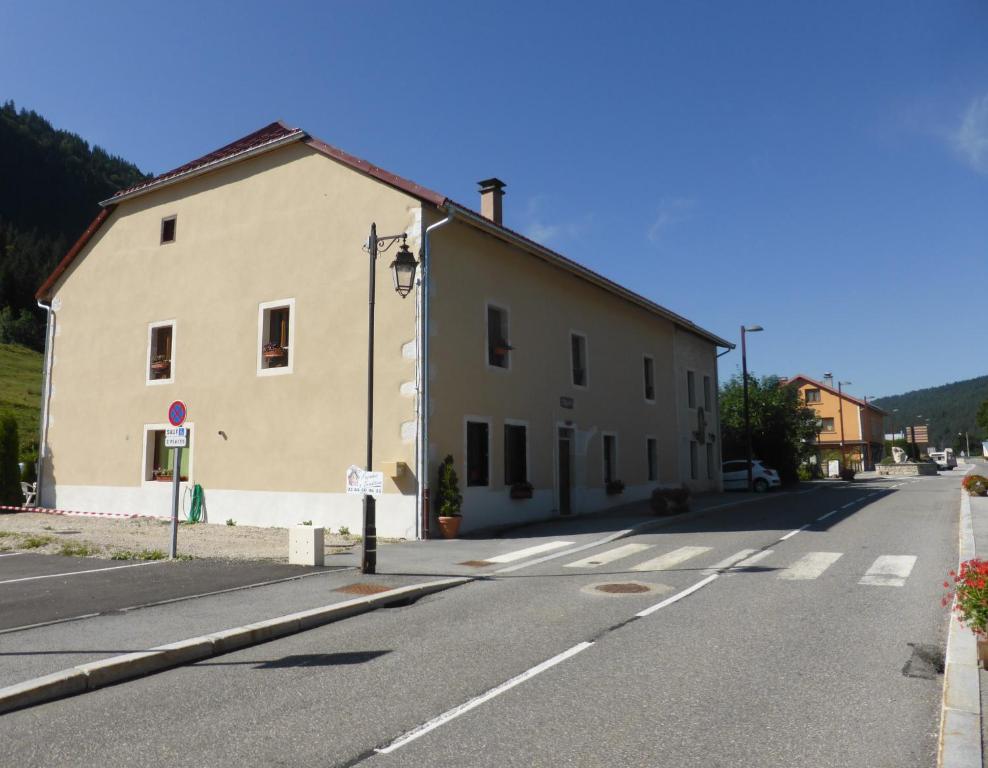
x,y
46,511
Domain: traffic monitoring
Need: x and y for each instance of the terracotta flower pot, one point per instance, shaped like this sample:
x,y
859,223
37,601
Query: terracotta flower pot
x,y
273,354
449,526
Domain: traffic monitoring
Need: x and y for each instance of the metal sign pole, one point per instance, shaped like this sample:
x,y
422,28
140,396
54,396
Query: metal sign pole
x,y
176,479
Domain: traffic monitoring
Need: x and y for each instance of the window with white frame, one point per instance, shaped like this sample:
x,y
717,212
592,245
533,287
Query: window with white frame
x,y
498,347
812,395
578,359
691,388
515,454
610,458
161,343
160,460
649,377
478,453
827,425
652,458
276,334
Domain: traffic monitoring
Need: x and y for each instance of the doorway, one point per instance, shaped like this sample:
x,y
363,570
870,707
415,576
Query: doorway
x,y
564,473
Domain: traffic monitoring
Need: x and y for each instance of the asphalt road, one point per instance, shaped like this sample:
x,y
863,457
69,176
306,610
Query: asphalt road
x,y
37,589
789,660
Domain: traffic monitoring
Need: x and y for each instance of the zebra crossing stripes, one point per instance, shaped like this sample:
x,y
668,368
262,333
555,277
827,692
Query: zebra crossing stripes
x,y
889,571
520,554
810,566
728,562
609,556
671,559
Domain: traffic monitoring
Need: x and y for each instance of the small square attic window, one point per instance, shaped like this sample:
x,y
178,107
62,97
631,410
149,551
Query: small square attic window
x,y
168,230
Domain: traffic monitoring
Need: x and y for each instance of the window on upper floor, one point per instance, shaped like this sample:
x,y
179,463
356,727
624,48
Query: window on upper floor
x,y
691,388
161,362
578,358
478,453
498,348
694,459
707,402
827,425
276,331
168,229
812,395
515,454
648,363
710,461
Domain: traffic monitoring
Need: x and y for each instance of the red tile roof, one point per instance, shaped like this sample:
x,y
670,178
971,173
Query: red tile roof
x,y
278,133
269,134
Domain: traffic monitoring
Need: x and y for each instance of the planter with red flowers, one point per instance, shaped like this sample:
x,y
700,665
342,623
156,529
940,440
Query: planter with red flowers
x,y
274,354
160,367
970,597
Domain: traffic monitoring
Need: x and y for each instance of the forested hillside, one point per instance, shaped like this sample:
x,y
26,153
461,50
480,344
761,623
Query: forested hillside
x,y
950,408
51,182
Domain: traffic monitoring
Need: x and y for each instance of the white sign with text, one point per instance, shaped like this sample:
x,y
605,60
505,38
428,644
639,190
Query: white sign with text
x,y
360,483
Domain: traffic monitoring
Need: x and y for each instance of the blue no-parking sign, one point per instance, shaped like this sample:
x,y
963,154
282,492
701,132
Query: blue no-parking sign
x,y
177,413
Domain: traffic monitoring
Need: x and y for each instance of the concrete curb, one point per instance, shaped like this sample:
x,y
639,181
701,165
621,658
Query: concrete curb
x,y
116,669
960,717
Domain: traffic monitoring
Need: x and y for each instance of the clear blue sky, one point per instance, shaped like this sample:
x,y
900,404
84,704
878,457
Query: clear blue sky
x,y
818,168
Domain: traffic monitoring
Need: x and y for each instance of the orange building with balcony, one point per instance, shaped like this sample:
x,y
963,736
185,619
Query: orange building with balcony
x,y
848,427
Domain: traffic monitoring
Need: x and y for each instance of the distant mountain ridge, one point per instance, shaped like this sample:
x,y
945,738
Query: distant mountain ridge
x,y
950,408
51,183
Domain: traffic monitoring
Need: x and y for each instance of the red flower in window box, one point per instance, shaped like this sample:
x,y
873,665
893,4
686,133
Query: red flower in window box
x,y
273,352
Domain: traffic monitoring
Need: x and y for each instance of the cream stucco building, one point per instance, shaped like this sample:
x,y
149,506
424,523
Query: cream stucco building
x,y
237,284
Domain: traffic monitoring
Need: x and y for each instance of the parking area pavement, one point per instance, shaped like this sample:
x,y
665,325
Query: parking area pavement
x,y
39,589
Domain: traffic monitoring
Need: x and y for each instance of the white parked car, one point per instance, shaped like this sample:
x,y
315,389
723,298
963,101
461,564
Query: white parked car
x,y
762,477
945,459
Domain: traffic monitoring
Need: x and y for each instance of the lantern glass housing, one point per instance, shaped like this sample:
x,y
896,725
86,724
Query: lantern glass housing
x,y
403,271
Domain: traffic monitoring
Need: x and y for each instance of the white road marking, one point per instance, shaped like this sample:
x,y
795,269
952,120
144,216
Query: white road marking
x,y
670,559
889,571
793,533
475,702
521,554
82,573
849,504
728,562
824,517
810,565
678,596
756,558
11,554
609,556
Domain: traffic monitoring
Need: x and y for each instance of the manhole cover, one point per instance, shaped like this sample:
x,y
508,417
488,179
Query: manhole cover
x,y
476,563
626,588
363,589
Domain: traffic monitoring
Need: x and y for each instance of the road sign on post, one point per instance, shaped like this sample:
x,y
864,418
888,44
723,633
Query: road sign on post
x,y
176,439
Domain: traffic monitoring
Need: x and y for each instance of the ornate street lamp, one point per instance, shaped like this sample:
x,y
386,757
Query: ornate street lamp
x,y
403,270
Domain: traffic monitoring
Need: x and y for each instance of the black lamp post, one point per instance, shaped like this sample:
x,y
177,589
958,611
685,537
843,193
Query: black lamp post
x,y
744,379
403,271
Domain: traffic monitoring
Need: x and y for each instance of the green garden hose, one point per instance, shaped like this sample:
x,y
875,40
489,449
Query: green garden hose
x,y
198,505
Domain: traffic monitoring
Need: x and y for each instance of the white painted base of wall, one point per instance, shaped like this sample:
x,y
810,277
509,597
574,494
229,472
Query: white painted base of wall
x,y
485,508
396,514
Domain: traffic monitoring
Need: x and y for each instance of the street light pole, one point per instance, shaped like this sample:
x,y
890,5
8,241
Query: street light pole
x,y
747,414
840,410
403,268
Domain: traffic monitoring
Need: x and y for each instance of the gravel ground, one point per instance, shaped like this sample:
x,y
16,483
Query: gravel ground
x,y
134,539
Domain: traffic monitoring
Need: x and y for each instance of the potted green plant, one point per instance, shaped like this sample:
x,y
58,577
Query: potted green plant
x,y
670,501
162,474
450,500
522,490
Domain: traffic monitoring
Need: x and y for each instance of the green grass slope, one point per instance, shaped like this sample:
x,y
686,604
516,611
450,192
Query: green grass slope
x,y
20,390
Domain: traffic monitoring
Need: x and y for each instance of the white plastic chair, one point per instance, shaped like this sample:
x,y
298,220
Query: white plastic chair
x,y
30,490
